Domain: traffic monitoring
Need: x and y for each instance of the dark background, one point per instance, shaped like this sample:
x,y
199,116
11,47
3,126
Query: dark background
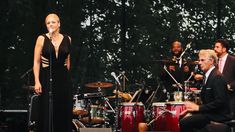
x,y
107,36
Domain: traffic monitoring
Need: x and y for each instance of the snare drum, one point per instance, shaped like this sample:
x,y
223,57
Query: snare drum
x,y
131,114
97,114
168,119
79,106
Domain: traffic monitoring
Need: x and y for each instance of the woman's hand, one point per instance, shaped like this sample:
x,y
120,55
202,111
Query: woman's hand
x,y
38,88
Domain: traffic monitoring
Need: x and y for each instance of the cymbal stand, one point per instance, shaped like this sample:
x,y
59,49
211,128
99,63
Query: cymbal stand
x,y
106,105
177,83
135,108
107,102
187,47
150,99
124,79
117,112
186,87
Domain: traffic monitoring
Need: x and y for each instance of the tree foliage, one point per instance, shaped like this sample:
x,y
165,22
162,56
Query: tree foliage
x,y
108,36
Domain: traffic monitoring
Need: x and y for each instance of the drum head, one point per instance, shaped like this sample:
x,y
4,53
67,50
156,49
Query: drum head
x,y
131,104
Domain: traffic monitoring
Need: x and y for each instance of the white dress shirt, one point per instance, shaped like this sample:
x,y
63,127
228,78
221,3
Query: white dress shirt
x,y
208,73
222,61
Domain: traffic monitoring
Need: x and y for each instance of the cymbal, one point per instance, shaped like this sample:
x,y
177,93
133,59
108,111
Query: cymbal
x,y
99,85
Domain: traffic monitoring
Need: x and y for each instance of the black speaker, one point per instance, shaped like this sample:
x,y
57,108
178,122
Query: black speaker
x,y
95,130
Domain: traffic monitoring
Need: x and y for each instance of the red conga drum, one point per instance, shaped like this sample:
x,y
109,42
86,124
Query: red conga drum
x,y
131,114
167,115
157,114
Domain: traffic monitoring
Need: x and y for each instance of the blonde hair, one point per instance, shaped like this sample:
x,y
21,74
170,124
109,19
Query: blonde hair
x,y
52,15
210,53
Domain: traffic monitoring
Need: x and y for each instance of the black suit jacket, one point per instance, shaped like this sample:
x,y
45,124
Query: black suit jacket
x,y
214,96
229,71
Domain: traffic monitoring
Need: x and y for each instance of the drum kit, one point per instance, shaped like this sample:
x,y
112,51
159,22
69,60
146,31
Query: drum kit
x,y
126,116
95,109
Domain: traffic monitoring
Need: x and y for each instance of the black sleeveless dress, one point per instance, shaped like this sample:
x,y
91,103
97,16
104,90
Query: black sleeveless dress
x,y
61,87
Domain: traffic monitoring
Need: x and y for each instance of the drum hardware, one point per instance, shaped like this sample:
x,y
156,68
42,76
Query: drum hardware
x,y
188,46
79,107
150,99
113,97
177,83
107,103
124,79
93,95
178,95
186,88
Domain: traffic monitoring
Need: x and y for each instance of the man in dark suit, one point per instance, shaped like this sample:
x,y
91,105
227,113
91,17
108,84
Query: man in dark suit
x,y
177,67
226,66
214,96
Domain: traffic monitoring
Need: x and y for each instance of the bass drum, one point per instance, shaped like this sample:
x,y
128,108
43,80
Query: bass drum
x,y
76,124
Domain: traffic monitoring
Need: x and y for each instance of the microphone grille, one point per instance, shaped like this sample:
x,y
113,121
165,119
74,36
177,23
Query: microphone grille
x,y
113,73
50,30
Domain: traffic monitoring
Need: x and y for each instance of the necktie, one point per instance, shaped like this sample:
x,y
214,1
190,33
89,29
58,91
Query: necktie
x,y
204,80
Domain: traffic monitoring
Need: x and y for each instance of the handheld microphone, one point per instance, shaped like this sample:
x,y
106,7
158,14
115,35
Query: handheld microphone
x,y
115,77
50,33
50,30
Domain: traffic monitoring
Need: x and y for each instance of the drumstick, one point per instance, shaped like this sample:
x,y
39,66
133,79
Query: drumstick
x,y
183,113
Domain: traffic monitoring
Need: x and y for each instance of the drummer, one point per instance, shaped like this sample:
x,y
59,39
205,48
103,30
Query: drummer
x,y
177,67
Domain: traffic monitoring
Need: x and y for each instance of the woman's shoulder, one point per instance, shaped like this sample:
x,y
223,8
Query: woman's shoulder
x,y
42,36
